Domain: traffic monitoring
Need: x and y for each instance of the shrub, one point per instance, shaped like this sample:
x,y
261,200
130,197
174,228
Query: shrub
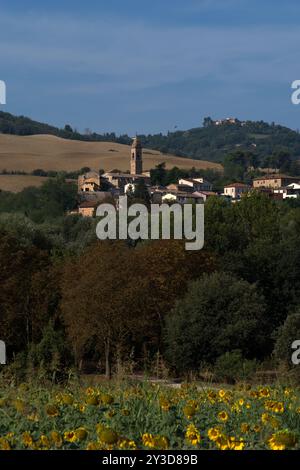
x,y
232,367
219,313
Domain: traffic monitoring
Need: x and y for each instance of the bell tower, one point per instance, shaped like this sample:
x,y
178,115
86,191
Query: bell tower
x,y
136,160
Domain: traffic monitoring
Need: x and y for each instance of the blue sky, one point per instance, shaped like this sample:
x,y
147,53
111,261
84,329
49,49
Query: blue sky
x,y
150,65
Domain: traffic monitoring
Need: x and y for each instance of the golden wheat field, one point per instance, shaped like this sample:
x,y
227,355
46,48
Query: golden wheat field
x,y
16,183
149,416
27,153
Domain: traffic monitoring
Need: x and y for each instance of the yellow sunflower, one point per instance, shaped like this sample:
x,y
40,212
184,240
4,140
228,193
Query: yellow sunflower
x,y
193,435
223,416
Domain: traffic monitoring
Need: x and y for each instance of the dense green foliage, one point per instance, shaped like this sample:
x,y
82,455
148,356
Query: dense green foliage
x,y
218,313
22,125
51,200
214,142
112,303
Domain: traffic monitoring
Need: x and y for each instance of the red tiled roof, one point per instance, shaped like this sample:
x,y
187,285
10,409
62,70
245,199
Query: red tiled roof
x,y
276,176
236,185
87,204
207,193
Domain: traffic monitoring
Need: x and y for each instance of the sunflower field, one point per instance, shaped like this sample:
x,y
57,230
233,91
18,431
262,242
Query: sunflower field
x,y
145,416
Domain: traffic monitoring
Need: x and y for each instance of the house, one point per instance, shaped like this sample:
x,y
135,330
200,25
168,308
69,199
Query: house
x,y
89,182
98,196
156,193
229,120
113,184
180,187
181,197
235,190
291,191
205,194
197,184
122,180
88,208
274,181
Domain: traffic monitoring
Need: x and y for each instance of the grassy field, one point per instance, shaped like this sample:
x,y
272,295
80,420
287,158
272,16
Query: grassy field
x,y
53,153
145,416
16,183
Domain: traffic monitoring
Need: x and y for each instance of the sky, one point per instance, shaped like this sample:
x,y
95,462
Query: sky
x,y
150,66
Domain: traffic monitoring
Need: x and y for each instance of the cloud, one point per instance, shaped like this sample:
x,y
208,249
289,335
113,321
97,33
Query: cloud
x,y
141,53
111,56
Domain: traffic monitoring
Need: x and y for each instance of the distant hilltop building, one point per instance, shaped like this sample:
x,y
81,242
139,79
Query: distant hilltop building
x,y
230,120
222,122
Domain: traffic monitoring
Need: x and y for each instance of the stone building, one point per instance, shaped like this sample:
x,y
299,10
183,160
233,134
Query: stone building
x,y
136,162
89,182
235,190
88,208
275,181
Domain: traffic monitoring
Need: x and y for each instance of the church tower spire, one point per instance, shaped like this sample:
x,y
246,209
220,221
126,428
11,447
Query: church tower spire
x,y
136,161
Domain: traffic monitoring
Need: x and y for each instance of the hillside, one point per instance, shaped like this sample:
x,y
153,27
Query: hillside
x,y
48,152
209,142
213,142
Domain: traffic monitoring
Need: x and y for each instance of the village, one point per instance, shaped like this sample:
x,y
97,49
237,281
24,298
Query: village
x,y
94,188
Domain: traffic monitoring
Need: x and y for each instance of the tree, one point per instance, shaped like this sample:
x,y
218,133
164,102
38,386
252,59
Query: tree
x,y
158,174
207,121
29,294
115,297
141,191
51,200
84,169
168,267
219,313
235,165
282,159
285,336
173,175
68,128
101,305
232,366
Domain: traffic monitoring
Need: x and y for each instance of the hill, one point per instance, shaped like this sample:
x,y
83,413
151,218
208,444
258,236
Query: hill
x,y
208,142
212,142
48,152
